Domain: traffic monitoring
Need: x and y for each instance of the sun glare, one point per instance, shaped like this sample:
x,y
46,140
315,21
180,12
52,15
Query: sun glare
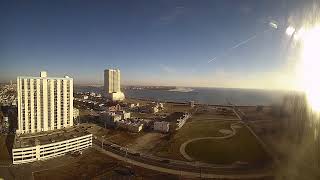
x,y
309,67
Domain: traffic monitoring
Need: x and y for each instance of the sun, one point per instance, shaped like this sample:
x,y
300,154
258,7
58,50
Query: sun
x,y
309,66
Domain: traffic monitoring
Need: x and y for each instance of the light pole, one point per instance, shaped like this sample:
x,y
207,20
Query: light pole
x,y
126,152
197,164
102,141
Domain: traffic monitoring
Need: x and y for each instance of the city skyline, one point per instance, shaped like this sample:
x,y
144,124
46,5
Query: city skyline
x,y
168,42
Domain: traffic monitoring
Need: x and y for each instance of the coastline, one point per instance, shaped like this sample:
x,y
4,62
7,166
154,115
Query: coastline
x,y
198,104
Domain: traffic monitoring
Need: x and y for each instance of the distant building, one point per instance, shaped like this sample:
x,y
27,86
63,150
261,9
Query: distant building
x,y
110,118
44,103
114,108
182,120
151,108
5,119
76,113
4,126
135,127
176,120
85,97
191,104
125,115
131,125
161,126
112,84
160,105
132,105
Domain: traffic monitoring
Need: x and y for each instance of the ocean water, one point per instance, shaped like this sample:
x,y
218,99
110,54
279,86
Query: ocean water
x,y
213,96
205,95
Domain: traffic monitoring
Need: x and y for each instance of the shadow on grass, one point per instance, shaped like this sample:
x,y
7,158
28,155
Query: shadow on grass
x,y
9,144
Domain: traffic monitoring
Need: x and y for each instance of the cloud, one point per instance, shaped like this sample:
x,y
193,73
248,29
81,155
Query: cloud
x,y
168,69
245,9
173,15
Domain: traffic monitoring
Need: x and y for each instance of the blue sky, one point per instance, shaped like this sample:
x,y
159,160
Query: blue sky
x,y
152,42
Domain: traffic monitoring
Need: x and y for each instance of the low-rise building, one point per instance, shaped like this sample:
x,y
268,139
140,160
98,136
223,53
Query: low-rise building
x,y
132,125
114,108
110,118
160,105
48,145
76,113
151,108
182,120
161,126
191,104
175,120
133,105
135,127
85,97
126,115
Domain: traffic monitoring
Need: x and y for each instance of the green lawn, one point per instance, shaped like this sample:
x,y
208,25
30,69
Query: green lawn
x,y
193,129
173,107
241,147
213,115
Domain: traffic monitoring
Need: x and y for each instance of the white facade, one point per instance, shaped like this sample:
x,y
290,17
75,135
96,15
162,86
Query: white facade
x,y
76,113
135,128
126,115
112,84
161,126
44,103
130,126
85,97
51,150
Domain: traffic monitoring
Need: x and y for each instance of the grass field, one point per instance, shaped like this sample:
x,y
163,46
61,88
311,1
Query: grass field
x,y
170,148
95,165
174,107
213,115
241,147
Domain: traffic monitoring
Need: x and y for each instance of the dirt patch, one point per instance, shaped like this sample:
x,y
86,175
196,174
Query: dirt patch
x,y
146,142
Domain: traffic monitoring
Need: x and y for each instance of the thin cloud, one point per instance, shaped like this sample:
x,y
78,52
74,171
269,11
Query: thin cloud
x,y
173,15
167,69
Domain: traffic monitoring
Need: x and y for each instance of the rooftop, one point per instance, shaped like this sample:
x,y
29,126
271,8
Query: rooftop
x,y
48,137
43,75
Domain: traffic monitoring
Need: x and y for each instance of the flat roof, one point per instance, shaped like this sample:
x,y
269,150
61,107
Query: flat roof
x,y
31,77
48,137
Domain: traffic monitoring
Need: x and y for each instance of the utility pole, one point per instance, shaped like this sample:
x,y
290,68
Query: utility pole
x,y
102,141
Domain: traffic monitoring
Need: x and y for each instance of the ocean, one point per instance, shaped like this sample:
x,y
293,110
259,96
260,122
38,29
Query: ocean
x,y
243,97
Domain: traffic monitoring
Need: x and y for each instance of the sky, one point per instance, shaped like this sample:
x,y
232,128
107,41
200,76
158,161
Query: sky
x,y
167,42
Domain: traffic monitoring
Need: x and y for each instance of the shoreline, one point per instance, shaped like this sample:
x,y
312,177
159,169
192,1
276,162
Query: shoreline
x,y
199,104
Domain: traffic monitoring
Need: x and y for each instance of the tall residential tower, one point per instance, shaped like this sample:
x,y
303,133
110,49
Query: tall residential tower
x,y
44,103
112,84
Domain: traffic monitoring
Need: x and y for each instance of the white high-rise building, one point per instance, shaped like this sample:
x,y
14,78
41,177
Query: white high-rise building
x,y
44,103
112,84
